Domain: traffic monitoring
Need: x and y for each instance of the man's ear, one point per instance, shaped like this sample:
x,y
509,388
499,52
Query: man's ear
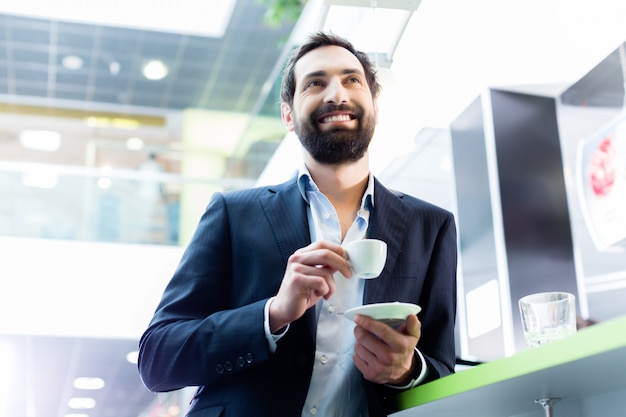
x,y
376,109
286,115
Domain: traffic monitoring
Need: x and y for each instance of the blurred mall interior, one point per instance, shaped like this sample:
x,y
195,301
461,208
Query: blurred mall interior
x,y
118,120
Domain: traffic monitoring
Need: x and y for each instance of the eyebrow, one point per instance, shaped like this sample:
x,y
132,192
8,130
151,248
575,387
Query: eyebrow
x,y
322,73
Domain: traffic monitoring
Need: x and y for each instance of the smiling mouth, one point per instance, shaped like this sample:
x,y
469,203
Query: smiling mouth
x,y
337,118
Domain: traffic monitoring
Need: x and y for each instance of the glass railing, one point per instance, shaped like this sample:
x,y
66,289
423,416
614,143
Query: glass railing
x,y
92,204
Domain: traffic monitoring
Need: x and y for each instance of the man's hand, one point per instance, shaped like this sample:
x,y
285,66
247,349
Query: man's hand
x,y
308,278
385,355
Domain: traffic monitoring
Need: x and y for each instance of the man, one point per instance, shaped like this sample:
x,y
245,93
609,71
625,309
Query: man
x,y
252,314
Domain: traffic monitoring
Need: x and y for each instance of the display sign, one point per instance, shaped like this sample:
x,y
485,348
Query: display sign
x,y
601,180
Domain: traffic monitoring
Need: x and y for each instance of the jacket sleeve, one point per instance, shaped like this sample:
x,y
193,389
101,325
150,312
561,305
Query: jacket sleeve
x,y
196,336
439,302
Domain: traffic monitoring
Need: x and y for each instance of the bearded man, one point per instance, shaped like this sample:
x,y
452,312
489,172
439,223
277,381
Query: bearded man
x,y
253,314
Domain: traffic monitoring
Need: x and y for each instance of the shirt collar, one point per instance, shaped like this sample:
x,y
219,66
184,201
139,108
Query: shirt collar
x,y
306,184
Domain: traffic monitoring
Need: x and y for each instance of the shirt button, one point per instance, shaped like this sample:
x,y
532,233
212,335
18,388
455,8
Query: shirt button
x,y
323,360
331,309
313,410
326,215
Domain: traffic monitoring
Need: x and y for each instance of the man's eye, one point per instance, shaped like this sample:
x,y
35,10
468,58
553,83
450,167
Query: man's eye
x,y
314,83
355,80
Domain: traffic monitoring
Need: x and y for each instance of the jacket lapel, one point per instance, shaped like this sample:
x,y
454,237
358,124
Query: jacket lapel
x,y
286,213
389,224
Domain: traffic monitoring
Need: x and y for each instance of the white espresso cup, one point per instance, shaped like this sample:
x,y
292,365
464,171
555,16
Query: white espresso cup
x,y
367,257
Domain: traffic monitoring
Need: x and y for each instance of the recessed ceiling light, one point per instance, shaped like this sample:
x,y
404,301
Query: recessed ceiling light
x,y
132,357
134,144
72,62
114,68
41,140
155,70
104,183
89,383
41,178
81,403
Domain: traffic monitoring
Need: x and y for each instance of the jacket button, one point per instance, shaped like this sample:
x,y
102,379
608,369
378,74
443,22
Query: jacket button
x,y
240,362
249,358
219,369
228,366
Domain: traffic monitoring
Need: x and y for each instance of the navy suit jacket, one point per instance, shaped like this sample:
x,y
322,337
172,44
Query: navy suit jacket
x,y
208,331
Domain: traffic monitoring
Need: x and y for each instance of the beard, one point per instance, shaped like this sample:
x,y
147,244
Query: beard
x,y
339,145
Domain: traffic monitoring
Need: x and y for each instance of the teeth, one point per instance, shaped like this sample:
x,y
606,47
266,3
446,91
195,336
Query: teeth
x,y
340,118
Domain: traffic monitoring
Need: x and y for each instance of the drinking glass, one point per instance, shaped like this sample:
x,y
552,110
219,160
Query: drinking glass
x,y
547,316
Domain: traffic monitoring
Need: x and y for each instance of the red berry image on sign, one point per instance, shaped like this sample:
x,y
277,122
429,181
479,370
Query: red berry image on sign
x,y
603,167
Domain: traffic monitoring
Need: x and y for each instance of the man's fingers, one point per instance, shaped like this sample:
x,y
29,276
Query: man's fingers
x,y
413,326
323,254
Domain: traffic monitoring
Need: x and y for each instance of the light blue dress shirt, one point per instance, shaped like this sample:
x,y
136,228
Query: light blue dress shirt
x,y
336,388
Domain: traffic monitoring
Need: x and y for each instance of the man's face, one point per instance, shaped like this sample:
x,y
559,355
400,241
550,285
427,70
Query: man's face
x,y
333,112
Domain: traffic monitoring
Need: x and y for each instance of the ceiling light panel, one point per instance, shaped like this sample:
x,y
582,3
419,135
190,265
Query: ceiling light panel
x,y
155,70
81,403
387,4
201,18
373,26
89,383
72,62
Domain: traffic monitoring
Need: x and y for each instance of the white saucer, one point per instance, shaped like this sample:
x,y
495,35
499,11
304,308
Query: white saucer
x,y
394,313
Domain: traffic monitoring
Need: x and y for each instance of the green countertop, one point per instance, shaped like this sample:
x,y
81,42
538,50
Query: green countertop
x,y
591,362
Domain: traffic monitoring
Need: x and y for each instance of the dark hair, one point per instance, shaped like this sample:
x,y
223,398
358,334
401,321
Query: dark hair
x,y
317,40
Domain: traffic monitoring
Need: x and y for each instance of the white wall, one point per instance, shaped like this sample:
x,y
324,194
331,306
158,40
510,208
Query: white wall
x,y
69,288
453,49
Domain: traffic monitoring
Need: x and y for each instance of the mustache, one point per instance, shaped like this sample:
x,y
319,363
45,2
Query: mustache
x,y
330,107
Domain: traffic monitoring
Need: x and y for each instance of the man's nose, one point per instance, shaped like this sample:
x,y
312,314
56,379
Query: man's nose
x,y
336,92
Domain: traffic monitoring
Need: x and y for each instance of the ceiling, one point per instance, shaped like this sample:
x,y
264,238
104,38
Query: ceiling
x,y
225,74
